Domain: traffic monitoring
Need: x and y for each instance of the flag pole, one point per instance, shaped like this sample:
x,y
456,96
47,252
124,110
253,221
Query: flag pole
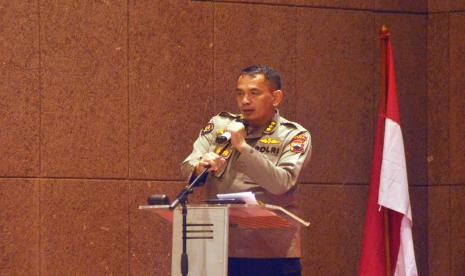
x,y
384,36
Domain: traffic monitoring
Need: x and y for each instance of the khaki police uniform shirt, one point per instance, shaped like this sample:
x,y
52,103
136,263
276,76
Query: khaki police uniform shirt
x,y
269,168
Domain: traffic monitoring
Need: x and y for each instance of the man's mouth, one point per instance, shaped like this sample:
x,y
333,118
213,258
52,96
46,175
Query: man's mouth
x,y
247,111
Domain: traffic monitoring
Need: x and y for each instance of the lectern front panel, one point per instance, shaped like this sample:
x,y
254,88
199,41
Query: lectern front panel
x,y
207,241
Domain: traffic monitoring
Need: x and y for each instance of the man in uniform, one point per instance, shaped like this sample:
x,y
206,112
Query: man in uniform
x,y
266,158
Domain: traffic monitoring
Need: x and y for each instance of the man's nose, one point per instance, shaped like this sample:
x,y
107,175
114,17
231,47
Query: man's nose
x,y
245,99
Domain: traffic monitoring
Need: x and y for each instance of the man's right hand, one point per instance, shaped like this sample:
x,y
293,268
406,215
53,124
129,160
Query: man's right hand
x,y
210,160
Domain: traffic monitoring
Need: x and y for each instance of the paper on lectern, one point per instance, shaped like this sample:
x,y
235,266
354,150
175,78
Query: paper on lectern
x,y
247,197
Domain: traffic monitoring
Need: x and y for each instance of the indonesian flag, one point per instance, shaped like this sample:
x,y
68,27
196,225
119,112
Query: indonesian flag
x,y
387,246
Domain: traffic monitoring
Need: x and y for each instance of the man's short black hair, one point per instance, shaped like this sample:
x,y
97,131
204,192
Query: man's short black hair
x,y
270,74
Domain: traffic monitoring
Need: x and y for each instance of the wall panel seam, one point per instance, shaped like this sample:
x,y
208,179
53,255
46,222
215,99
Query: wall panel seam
x,y
442,184
446,12
128,135
40,141
213,57
40,86
128,89
449,219
296,28
251,2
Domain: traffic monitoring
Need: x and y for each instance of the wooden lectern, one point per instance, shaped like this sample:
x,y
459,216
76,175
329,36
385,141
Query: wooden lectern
x,y
208,229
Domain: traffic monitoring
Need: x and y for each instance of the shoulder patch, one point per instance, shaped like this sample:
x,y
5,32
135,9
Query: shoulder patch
x,y
298,143
302,137
208,128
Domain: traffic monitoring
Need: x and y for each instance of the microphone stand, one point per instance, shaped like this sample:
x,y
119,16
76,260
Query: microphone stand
x,y
182,199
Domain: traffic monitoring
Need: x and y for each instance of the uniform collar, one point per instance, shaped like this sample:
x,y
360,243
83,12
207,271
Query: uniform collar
x,y
267,129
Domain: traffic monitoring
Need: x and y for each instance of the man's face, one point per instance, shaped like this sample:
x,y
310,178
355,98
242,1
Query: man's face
x,y
255,99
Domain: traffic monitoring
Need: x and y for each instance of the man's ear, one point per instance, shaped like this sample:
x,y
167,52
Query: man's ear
x,y
278,96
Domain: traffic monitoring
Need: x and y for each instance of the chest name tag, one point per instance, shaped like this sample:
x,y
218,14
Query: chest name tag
x,y
268,149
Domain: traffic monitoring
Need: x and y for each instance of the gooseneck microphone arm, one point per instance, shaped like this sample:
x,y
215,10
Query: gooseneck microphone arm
x,y
225,137
182,199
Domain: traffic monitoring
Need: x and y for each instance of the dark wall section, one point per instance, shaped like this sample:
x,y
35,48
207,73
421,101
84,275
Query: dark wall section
x,y
446,151
101,100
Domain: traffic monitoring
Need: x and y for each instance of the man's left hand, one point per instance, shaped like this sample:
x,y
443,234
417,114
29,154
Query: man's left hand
x,y
238,134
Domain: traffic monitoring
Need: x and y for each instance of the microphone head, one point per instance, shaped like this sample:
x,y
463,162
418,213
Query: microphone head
x,y
226,136
223,138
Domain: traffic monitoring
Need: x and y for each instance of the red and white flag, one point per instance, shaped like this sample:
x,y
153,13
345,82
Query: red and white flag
x,y
387,246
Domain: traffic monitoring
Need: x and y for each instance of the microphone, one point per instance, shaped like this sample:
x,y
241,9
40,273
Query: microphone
x,y
226,136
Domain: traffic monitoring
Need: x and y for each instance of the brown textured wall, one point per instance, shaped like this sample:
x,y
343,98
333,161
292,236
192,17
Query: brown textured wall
x,y
84,105
19,89
100,101
446,151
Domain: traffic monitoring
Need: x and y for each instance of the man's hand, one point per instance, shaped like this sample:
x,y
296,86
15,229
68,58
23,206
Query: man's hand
x,y
238,133
209,160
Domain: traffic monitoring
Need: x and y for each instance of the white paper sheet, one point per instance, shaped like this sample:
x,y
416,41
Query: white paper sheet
x,y
247,197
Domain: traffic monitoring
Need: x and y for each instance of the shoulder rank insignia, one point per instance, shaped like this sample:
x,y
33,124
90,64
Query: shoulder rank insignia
x,y
270,140
270,128
297,143
225,154
208,128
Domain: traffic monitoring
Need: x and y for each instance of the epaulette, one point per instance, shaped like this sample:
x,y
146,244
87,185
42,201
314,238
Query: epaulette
x,y
295,125
229,115
289,124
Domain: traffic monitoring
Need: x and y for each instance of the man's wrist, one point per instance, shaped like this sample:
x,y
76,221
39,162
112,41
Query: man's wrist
x,y
198,169
242,147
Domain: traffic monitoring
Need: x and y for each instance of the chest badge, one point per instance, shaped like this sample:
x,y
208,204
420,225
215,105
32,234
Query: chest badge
x,y
269,140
